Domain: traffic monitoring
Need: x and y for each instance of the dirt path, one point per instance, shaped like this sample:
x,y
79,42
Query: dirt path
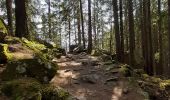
x,y
88,78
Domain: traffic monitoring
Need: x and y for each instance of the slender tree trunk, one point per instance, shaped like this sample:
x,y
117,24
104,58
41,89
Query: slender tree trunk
x,y
82,25
148,56
159,68
9,16
131,32
121,30
126,26
94,24
111,38
169,34
89,28
21,19
150,52
78,27
69,30
49,19
142,29
116,26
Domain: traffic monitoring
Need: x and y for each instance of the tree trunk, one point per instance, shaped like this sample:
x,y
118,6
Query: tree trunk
x,y
169,34
78,27
148,56
116,26
121,30
82,25
159,68
49,19
131,32
89,28
69,30
21,19
9,16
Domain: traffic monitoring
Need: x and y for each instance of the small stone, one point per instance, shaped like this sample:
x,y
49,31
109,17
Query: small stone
x,y
112,79
88,79
67,70
125,91
84,63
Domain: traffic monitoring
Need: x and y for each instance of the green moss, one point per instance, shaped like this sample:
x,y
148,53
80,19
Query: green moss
x,y
164,84
54,93
3,27
30,89
12,40
96,53
4,53
22,89
33,45
126,70
37,68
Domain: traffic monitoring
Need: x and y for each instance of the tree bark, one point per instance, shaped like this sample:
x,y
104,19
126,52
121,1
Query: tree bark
x,y
82,25
21,19
89,28
121,30
49,19
78,27
131,32
148,56
169,34
9,16
116,26
159,69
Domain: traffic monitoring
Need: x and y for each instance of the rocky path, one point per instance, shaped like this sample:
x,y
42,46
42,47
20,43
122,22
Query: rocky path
x,y
89,78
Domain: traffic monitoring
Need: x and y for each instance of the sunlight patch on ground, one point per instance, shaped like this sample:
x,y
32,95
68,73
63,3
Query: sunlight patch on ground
x,y
62,64
73,63
18,55
64,77
117,93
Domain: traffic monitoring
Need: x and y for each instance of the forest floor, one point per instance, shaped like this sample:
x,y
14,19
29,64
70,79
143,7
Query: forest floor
x,y
89,78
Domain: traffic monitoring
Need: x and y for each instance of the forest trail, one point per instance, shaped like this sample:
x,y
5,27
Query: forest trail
x,y
89,78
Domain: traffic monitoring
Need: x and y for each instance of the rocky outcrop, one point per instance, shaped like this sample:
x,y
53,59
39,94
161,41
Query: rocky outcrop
x,y
30,89
38,68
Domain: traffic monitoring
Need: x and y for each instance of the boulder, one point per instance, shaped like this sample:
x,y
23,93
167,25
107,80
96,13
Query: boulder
x,y
96,53
79,49
30,89
126,70
38,68
106,58
72,47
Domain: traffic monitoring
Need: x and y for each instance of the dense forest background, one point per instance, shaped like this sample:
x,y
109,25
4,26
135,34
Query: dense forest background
x,y
137,31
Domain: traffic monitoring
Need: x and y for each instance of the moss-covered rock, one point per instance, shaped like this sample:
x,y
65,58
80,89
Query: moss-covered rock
x,y
22,89
38,68
12,40
3,30
30,89
96,53
126,70
4,55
